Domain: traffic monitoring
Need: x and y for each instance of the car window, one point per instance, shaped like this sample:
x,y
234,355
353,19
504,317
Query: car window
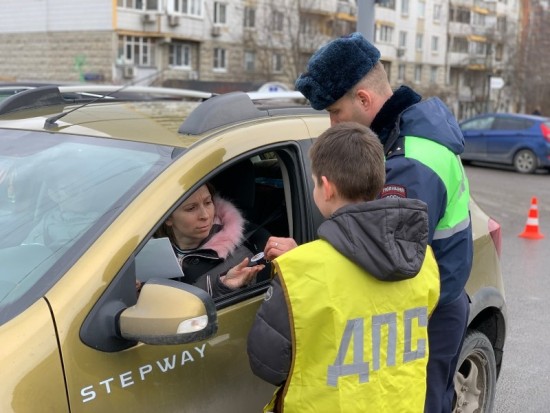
x,y
508,123
478,123
267,188
54,191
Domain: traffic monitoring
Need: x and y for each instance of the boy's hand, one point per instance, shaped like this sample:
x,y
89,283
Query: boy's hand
x,y
277,246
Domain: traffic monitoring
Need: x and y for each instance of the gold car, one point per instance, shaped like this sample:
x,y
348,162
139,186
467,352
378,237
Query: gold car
x,y
75,336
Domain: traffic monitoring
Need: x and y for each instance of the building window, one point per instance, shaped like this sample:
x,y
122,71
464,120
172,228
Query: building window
x,y
418,73
402,39
278,21
459,45
385,33
437,13
388,4
307,25
478,19
249,61
459,15
137,50
138,4
220,13
401,72
433,74
419,41
220,59
435,44
499,52
421,9
478,48
180,55
404,7
249,17
501,24
277,63
188,7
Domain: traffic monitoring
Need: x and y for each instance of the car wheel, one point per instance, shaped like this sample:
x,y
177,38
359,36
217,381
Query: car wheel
x,y
476,378
525,161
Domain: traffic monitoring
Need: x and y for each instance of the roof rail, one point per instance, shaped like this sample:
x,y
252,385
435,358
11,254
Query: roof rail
x,y
165,91
229,108
32,98
35,97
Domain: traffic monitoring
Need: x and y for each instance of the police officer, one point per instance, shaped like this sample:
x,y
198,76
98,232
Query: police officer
x,y
422,142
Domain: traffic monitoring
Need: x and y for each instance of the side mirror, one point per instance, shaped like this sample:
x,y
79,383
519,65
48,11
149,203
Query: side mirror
x,y
169,312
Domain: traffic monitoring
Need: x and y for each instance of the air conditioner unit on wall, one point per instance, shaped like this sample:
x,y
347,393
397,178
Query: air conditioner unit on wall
x,y
147,18
216,31
400,51
173,20
128,72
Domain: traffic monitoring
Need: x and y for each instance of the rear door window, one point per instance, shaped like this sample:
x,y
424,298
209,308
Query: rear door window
x,y
478,124
506,123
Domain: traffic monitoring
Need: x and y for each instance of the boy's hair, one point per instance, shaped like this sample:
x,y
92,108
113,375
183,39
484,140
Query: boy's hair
x,y
350,156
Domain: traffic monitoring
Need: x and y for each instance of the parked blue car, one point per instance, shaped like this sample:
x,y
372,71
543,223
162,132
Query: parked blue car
x,y
522,141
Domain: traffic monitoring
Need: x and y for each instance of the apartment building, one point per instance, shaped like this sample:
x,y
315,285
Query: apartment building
x,y
482,41
448,48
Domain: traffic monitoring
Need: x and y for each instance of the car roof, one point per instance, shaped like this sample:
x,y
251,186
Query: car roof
x,y
507,114
163,116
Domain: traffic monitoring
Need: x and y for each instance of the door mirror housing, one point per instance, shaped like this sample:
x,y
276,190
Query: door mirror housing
x,y
169,312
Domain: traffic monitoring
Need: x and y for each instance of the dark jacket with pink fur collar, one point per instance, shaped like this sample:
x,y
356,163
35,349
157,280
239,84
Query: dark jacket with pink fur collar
x,y
225,239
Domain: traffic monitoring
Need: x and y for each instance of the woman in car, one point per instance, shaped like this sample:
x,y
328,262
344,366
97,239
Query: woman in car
x,y
208,237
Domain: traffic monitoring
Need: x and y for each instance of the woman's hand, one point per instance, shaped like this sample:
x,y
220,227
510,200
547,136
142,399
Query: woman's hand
x,y
241,274
278,246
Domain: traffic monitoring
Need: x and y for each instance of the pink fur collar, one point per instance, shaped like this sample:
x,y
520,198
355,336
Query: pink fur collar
x,y
232,234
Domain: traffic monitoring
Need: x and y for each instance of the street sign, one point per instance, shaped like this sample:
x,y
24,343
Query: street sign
x,y
497,82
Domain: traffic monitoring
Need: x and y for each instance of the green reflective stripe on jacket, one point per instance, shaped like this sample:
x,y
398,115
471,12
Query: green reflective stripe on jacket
x,y
448,167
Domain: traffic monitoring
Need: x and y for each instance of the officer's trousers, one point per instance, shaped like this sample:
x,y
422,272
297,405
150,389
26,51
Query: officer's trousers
x,y
446,332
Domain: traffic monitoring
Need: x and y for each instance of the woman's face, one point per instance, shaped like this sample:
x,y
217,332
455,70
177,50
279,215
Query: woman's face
x,y
192,220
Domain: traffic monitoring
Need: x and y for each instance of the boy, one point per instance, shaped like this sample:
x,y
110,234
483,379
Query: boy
x,y
344,325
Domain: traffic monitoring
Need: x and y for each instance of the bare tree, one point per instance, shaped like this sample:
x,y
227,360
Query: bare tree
x,y
287,33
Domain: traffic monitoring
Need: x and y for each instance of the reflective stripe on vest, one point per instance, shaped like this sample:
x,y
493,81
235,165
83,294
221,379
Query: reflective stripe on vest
x,y
358,343
448,167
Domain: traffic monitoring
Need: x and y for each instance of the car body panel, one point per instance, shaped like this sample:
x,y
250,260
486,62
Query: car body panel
x,y
93,386
32,371
48,347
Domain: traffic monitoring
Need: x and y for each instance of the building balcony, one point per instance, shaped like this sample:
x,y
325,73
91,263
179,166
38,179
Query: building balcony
x,y
462,29
459,59
323,7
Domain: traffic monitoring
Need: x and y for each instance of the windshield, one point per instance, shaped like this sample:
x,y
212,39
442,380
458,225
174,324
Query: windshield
x,y
57,193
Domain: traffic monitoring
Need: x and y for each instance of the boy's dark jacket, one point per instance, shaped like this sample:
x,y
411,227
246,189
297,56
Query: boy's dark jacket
x,y
386,237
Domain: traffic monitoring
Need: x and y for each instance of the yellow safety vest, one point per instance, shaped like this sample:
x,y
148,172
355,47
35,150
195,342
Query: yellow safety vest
x,y
358,344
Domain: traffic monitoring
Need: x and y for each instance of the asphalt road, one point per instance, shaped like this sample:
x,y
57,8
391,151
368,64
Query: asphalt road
x,y
524,382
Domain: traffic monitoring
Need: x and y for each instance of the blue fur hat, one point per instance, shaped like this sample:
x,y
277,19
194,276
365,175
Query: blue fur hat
x,y
335,68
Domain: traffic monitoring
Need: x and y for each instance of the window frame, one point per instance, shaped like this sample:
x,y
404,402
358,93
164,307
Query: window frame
x,y
185,52
219,63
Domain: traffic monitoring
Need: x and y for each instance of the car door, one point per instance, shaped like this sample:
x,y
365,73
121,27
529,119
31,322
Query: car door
x,y
508,135
106,373
476,133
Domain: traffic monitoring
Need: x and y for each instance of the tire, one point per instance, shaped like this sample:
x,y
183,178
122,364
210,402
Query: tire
x,y
525,162
476,377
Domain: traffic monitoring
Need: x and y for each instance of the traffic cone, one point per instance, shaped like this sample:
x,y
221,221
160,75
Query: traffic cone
x,y
532,227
